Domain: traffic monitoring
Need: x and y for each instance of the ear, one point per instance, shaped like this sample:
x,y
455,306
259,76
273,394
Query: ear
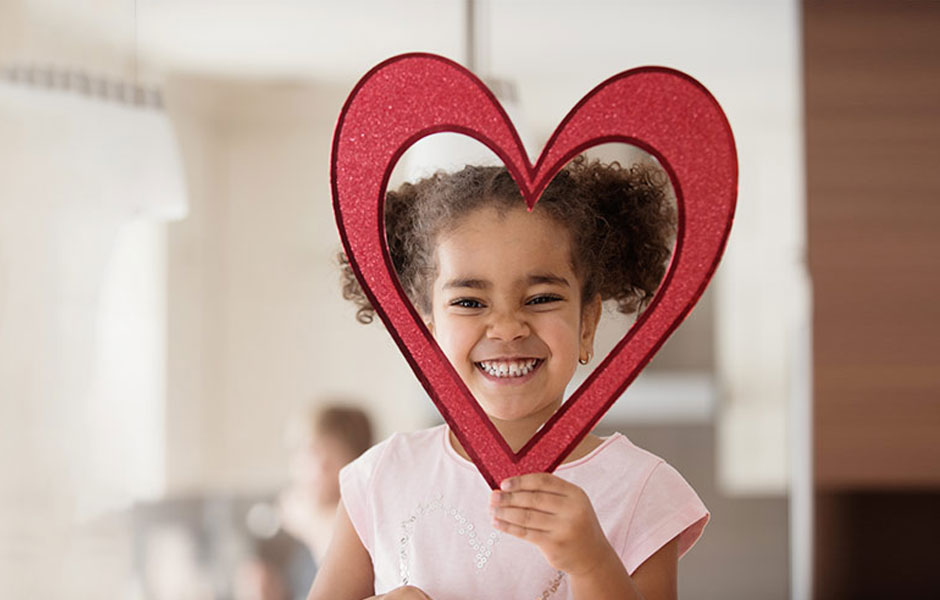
x,y
590,317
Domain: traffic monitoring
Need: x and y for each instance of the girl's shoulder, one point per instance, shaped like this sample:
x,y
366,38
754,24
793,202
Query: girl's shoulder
x,y
409,448
411,443
614,461
640,499
431,444
613,451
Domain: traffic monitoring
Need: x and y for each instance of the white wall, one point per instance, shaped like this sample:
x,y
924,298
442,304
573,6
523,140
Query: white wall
x,y
257,325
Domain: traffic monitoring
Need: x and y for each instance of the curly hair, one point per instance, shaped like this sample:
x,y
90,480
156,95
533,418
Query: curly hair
x,y
621,222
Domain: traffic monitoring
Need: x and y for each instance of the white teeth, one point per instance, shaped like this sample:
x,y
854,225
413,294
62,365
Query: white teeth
x,y
508,368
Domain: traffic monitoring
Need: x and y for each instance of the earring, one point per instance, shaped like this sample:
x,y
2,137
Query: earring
x,y
585,361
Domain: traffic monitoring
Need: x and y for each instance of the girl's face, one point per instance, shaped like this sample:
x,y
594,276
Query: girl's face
x,y
507,311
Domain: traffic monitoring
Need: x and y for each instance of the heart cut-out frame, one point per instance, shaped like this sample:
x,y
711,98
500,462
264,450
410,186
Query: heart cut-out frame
x,y
663,111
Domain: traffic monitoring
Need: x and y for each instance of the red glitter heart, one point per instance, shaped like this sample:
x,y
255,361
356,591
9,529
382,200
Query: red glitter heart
x,y
663,111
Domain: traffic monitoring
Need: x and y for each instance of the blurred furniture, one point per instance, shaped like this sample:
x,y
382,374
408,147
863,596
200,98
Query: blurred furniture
x,y
872,146
218,546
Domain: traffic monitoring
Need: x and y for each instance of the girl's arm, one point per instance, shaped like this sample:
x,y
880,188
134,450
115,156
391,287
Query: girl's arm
x,y
655,579
557,516
346,572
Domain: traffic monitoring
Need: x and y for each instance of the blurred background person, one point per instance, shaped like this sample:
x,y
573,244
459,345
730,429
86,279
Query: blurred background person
x,y
258,579
322,440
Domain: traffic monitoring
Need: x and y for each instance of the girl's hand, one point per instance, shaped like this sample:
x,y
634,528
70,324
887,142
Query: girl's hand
x,y
556,516
407,592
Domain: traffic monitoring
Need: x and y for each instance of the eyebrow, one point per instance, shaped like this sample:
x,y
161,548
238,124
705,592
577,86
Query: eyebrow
x,y
547,278
477,284
534,279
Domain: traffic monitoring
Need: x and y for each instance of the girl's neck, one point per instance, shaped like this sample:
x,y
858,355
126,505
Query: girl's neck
x,y
518,432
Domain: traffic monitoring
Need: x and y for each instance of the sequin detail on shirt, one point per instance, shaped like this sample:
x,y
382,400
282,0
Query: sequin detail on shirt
x,y
483,547
552,586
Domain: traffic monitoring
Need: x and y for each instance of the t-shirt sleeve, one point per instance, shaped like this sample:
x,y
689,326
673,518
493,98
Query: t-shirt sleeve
x,y
667,507
355,484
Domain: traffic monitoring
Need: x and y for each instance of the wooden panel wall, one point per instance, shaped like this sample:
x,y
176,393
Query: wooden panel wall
x,y
872,84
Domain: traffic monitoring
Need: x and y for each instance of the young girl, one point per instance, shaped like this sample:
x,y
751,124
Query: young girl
x,y
513,299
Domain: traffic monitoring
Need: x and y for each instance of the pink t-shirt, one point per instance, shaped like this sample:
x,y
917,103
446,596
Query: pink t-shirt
x,y
422,512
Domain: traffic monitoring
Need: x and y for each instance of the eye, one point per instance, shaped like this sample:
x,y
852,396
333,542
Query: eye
x,y
466,303
544,299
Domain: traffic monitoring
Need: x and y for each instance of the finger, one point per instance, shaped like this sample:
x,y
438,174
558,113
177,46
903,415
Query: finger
x,y
542,501
405,592
545,482
525,518
532,535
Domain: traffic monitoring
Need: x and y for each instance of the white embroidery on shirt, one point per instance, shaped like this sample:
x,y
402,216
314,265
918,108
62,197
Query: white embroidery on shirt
x,y
463,526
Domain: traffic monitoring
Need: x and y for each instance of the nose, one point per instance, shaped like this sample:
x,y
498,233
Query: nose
x,y
507,325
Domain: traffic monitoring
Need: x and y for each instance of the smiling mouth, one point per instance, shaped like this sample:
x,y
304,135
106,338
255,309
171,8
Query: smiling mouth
x,y
509,368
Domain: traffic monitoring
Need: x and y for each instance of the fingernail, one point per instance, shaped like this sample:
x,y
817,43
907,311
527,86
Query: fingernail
x,y
506,484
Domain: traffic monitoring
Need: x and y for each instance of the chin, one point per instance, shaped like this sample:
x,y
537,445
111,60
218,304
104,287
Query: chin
x,y
509,410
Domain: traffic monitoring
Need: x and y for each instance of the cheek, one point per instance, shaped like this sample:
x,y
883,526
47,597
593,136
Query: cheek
x,y
455,339
565,337
455,336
